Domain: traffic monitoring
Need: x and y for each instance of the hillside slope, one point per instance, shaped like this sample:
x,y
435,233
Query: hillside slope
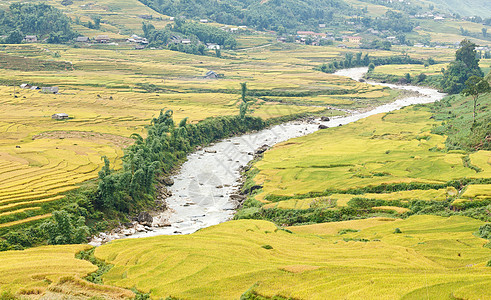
x,y
464,7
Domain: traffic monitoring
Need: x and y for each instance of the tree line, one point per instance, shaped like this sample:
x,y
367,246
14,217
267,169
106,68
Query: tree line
x,y
270,15
359,60
42,20
198,33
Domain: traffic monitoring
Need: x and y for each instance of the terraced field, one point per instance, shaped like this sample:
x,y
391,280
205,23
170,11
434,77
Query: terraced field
x,y
52,272
347,162
313,262
111,92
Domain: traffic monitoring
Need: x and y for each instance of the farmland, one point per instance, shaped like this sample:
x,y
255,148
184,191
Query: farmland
x,y
112,92
313,262
391,206
391,160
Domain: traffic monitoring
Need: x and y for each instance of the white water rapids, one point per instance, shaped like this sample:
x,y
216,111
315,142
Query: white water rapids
x,y
202,188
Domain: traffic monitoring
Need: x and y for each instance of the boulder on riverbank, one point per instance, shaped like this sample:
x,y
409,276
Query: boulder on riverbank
x,y
323,126
145,218
261,149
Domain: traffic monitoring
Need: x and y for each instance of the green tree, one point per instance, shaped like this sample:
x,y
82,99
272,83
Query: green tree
x,y
244,105
476,86
64,228
466,64
15,37
371,67
243,90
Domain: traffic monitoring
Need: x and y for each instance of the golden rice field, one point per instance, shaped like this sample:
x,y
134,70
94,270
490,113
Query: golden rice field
x,y
390,148
111,93
434,256
52,272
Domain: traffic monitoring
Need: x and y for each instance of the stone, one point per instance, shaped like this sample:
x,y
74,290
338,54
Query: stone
x,y
238,198
145,218
168,181
140,228
261,149
323,126
325,119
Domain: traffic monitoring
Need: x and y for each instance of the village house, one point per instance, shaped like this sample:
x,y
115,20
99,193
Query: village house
x,y
213,75
186,41
30,39
353,39
50,89
139,47
211,46
203,21
82,39
102,38
59,116
25,86
137,39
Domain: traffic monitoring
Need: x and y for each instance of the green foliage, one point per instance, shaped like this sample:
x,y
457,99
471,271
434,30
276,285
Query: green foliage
x,y
7,295
198,33
165,146
456,114
367,61
14,37
397,230
274,15
267,247
95,277
345,231
485,231
466,64
205,33
65,228
475,86
35,19
377,44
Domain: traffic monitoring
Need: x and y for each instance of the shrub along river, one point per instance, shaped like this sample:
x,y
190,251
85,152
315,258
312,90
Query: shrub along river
x,y
202,190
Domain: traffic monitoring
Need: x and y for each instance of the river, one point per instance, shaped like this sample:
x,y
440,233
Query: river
x,y
202,188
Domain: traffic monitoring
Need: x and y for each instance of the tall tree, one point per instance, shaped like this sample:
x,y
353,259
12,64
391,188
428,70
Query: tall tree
x,y
476,86
465,65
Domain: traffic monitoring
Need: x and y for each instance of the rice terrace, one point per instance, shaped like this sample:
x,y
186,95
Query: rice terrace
x,y
318,149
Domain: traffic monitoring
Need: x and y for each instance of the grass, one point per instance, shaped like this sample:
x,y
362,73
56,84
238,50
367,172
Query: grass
x,y
314,262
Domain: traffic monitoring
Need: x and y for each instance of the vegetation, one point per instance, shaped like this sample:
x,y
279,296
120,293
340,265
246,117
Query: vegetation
x,y
476,86
200,34
165,146
42,20
466,64
360,60
274,15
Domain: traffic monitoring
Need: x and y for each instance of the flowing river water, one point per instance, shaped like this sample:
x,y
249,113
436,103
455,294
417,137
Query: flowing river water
x,y
202,188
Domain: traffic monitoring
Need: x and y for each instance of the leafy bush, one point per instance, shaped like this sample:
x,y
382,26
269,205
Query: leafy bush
x,y
65,228
485,231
